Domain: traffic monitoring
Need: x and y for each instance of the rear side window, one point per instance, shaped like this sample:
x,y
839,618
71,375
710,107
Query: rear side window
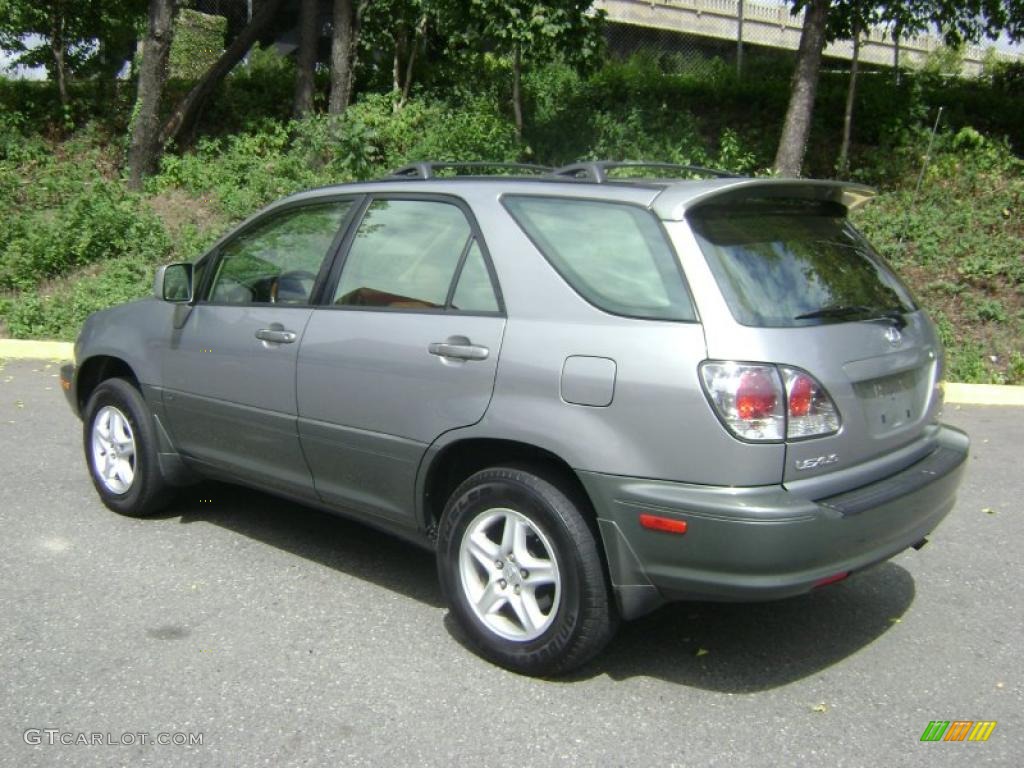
x,y
783,264
616,256
404,255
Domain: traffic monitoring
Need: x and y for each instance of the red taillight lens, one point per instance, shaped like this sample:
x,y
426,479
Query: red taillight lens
x,y
756,394
748,398
768,402
801,392
810,410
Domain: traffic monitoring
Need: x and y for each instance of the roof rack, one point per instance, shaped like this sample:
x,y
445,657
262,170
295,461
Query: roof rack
x,y
597,171
428,170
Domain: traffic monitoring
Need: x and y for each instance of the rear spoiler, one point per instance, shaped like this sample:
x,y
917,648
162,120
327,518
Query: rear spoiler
x,y
674,202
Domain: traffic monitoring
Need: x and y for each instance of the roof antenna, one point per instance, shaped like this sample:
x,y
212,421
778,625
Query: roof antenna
x,y
920,176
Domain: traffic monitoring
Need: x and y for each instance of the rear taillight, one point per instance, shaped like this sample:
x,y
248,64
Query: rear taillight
x,y
748,398
768,402
810,410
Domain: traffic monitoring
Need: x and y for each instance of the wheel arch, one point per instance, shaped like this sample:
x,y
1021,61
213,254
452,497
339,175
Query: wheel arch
x,y
446,466
97,369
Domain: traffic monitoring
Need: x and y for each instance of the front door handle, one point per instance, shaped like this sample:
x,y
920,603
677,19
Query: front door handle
x,y
276,335
458,348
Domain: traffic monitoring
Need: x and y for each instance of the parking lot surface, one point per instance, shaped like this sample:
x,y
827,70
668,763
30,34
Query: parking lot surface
x,y
280,635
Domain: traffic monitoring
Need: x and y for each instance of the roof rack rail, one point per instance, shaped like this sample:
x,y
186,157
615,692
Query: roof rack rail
x,y
428,170
597,170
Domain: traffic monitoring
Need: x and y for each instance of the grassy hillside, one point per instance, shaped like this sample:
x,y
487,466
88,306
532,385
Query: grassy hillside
x,y
73,240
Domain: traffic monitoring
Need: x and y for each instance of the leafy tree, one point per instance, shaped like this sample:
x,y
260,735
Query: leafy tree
x,y
145,146
185,114
401,26
825,20
309,39
525,30
345,25
77,35
797,126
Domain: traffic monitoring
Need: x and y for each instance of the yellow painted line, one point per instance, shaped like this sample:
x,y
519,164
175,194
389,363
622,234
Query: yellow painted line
x,y
984,394
17,349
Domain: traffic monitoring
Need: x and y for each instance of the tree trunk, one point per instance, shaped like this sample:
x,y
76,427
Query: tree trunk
x,y
345,37
57,50
421,32
401,81
400,39
793,144
843,165
309,40
407,84
145,146
517,96
186,113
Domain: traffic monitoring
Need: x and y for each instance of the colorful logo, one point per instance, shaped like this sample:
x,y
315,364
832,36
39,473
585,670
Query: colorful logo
x,y
958,730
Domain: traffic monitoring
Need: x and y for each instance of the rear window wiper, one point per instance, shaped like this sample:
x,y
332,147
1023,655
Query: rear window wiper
x,y
836,310
851,310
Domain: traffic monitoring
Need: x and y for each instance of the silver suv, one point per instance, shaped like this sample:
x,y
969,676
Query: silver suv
x,y
590,394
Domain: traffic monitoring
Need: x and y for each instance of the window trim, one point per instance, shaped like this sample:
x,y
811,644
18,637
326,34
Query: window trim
x,y
215,254
565,279
475,234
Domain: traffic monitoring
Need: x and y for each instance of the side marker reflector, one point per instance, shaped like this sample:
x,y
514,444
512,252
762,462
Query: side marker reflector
x,y
666,524
831,579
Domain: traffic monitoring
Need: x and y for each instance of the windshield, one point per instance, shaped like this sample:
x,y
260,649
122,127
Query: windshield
x,y
782,264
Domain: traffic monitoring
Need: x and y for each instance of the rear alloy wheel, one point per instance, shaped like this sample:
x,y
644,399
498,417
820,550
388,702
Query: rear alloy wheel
x,y
522,572
121,450
509,574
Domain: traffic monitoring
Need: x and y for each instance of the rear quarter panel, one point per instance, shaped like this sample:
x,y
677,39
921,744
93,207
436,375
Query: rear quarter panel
x,y
659,423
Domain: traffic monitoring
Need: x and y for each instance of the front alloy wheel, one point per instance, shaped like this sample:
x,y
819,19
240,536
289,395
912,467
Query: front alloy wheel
x,y
121,449
113,450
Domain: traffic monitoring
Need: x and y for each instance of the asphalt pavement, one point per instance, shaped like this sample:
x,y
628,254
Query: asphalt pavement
x,y
278,635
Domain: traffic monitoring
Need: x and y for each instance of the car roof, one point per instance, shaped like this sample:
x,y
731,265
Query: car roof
x,y
670,199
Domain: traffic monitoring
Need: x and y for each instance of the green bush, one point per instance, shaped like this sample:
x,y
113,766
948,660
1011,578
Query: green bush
x,y
245,171
101,223
198,42
960,242
59,314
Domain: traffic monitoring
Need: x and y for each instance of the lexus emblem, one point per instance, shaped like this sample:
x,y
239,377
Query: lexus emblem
x,y
893,336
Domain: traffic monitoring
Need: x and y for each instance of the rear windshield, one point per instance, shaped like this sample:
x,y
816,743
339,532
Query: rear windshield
x,y
616,256
785,264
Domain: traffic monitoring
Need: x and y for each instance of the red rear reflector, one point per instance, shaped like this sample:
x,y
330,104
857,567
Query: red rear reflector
x,y
831,579
666,524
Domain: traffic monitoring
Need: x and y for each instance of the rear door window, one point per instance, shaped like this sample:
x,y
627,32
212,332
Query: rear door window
x,y
785,264
404,256
615,255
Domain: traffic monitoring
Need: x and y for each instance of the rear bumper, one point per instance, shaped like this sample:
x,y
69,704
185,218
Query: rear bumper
x,y
766,542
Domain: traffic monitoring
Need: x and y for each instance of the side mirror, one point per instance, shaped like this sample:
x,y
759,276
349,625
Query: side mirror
x,y
173,282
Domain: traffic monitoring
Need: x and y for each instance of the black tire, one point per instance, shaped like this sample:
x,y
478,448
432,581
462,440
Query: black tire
x,y
583,620
147,493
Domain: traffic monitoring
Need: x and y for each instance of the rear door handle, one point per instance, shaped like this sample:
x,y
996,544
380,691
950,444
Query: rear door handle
x,y
459,348
276,335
